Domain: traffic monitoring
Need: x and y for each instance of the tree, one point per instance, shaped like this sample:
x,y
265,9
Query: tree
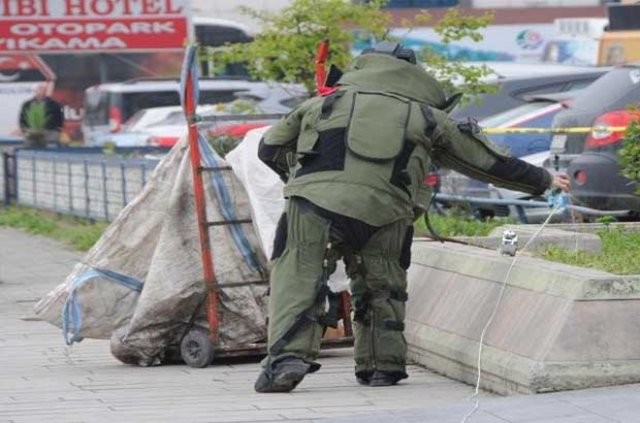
x,y
456,27
285,49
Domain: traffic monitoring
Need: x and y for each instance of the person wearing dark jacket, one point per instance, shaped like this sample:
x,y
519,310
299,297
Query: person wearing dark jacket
x,y
53,118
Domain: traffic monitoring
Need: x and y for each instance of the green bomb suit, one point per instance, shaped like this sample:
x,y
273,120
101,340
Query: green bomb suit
x,y
354,162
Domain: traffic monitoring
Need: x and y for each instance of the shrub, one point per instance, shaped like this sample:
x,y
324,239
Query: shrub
x,y
36,116
630,154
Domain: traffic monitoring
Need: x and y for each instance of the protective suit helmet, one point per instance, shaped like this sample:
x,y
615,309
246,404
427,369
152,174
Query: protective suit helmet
x,y
393,49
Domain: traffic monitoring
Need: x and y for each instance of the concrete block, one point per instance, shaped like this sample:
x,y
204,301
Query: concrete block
x,y
556,327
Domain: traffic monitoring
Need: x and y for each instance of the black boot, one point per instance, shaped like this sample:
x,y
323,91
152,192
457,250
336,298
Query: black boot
x,y
283,376
364,377
383,378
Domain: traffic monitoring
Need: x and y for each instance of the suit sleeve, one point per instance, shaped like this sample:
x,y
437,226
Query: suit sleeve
x,y
464,148
278,145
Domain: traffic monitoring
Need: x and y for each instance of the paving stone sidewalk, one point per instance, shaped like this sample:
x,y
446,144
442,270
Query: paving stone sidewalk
x,y
41,380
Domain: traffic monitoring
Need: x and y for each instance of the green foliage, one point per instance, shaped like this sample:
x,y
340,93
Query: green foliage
x,y
223,144
630,154
453,27
457,225
78,233
620,253
286,48
606,220
238,107
109,148
36,116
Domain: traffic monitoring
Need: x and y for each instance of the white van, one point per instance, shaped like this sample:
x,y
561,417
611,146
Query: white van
x,y
108,106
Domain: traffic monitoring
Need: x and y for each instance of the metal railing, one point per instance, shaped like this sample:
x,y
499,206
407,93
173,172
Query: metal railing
x,y
521,205
80,182
86,182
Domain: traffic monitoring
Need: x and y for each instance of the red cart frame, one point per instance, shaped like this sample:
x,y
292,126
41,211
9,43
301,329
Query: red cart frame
x,y
196,350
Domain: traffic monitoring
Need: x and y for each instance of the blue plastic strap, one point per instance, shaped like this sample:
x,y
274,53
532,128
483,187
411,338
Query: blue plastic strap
x,y
72,313
226,206
190,69
190,75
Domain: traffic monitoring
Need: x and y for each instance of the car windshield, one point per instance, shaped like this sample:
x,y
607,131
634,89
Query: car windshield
x,y
511,114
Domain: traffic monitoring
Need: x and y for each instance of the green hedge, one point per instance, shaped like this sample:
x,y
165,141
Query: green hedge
x,y
630,154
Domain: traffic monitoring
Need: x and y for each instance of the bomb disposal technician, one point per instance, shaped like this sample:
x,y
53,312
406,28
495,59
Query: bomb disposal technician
x,y
354,161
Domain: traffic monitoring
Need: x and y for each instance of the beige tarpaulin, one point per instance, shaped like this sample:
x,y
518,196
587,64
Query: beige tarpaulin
x,y
142,281
264,190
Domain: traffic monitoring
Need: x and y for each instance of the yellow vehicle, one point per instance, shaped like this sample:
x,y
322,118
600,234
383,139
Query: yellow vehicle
x,y
618,47
620,42
597,41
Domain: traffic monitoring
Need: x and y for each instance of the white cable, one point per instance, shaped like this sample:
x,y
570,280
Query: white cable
x,y
476,405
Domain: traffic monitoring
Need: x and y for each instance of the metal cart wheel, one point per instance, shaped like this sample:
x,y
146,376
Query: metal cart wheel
x,y
196,350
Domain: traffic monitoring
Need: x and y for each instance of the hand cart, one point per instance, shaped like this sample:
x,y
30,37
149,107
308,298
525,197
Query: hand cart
x,y
198,347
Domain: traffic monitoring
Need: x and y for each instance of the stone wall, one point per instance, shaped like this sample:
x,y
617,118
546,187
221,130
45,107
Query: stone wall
x,y
557,326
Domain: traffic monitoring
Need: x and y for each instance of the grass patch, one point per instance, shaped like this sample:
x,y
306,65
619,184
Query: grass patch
x,y
620,250
455,225
620,253
77,233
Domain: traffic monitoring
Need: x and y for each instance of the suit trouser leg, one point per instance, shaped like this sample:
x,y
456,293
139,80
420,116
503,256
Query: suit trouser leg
x,y
379,296
296,277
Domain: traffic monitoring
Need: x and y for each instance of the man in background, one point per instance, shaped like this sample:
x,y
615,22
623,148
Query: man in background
x,y
41,118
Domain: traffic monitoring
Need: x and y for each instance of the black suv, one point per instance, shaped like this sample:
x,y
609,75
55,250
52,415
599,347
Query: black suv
x,y
591,159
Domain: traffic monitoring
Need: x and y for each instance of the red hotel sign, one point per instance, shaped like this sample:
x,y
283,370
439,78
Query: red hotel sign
x,y
52,26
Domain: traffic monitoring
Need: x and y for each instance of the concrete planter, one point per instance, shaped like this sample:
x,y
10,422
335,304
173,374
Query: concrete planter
x,y
558,327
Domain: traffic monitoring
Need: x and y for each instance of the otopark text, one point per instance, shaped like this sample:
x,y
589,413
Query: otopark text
x,y
90,25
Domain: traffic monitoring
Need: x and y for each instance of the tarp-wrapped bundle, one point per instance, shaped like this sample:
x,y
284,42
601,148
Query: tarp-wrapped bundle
x,y
142,282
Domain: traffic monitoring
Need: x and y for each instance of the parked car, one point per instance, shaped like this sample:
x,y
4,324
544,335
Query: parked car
x,y
591,159
596,178
164,126
512,91
139,129
508,70
108,106
538,112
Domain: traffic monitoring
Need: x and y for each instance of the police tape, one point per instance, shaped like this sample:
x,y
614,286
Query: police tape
x,y
576,130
